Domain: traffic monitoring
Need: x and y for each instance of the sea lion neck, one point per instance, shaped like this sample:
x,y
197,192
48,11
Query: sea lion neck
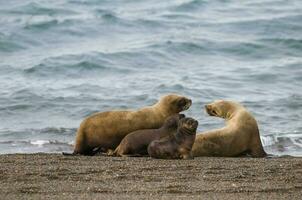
x,y
233,113
184,137
168,127
166,131
229,115
163,110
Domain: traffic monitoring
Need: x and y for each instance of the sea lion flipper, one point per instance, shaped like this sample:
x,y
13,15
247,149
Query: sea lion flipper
x,y
131,155
256,148
258,152
188,156
110,152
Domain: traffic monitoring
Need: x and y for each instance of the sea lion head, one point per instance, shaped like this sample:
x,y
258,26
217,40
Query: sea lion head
x,y
221,108
172,122
175,103
189,125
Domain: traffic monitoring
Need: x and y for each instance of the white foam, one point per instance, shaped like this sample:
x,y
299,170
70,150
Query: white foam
x,y
296,142
39,143
268,140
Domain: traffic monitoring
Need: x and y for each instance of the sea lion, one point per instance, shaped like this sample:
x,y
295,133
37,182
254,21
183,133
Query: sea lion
x,y
239,136
136,143
178,145
105,130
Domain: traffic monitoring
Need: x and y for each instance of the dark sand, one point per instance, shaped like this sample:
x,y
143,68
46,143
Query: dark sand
x,y
53,176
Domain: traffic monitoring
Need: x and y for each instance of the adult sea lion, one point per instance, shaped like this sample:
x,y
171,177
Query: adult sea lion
x,y
136,143
239,136
105,130
178,145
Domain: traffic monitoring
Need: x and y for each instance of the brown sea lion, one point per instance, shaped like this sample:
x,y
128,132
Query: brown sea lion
x,y
105,130
136,143
239,136
178,145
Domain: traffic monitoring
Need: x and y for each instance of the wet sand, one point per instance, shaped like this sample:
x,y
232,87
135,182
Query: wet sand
x,y
54,176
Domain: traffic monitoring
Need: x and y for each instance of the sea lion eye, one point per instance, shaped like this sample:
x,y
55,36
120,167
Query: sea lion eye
x,y
214,112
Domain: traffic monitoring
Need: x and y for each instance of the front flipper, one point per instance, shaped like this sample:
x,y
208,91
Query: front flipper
x,y
188,156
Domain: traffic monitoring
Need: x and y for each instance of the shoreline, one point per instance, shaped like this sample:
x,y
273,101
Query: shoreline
x,y
33,176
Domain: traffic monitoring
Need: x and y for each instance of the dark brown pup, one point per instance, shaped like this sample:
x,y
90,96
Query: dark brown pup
x,y
136,143
105,130
178,145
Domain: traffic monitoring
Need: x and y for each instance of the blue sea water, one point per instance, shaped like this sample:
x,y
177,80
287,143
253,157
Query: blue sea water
x,y
61,61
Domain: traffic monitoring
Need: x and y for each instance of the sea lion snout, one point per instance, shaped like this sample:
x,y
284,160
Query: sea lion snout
x,y
210,110
192,123
185,103
188,104
189,123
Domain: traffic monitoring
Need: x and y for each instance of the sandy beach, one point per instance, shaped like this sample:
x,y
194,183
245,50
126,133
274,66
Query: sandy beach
x,y
54,176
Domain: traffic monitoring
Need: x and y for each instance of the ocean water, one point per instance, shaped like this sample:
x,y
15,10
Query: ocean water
x,y
61,61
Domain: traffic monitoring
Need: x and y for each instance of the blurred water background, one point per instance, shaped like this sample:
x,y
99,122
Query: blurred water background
x,y
61,61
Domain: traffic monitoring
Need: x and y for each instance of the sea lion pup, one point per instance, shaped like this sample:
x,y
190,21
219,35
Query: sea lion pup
x,y
105,130
178,145
136,143
238,137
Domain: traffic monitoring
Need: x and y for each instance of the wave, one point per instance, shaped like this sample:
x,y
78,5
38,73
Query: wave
x,y
106,15
178,16
96,64
240,50
181,47
50,139
284,43
38,143
282,144
87,3
9,70
245,49
283,26
42,25
294,19
74,69
112,19
293,102
34,8
59,24
34,146
191,5
61,131
73,66
7,45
